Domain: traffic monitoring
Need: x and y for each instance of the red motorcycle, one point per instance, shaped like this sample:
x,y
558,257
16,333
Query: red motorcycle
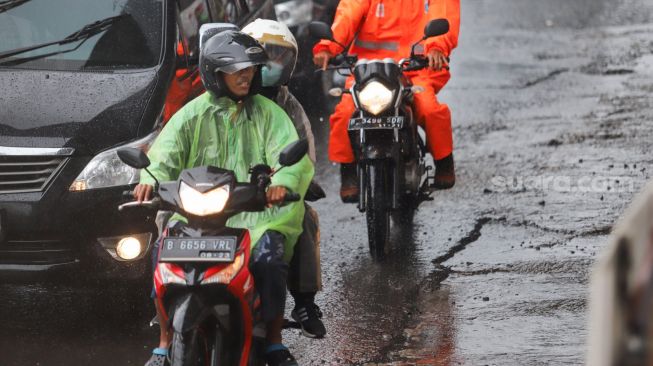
x,y
202,279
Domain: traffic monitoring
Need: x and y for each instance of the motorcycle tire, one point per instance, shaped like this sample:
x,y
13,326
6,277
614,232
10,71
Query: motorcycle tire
x,y
186,350
403,217
377,210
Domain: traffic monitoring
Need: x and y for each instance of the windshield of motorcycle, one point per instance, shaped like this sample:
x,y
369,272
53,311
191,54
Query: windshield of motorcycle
x,y
387,71
133,41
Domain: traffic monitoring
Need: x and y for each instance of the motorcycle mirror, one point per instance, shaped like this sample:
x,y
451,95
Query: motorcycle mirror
x,y
436,27
293,153
134,157
320,30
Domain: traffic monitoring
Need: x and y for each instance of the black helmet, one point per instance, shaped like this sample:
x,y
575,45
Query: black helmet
x,y
230,51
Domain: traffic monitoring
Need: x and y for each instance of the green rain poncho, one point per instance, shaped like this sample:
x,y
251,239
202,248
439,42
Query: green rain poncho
x,y
235,136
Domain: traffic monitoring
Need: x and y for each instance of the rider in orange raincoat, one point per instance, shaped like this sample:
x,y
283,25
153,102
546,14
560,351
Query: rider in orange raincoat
x,y
388,28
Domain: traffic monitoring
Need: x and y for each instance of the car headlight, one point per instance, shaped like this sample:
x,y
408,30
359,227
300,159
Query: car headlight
x,y
203,204
294,12
375,97
107,170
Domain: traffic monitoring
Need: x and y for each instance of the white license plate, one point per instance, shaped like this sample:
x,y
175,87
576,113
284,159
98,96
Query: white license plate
x,y
373,123
209,249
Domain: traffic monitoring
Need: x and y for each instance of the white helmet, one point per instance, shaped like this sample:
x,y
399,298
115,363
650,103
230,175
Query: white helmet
x,y
281,47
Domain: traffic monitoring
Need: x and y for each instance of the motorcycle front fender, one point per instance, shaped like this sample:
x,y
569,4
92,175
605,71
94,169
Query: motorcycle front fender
x,y
375,152
188,312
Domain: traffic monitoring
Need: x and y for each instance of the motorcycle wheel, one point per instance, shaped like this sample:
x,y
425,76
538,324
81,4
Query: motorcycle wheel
x,y
186,350
404,216
377,210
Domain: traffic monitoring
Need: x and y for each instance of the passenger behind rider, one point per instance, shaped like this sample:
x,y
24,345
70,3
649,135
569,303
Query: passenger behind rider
x,y
388,28
233,128
304,278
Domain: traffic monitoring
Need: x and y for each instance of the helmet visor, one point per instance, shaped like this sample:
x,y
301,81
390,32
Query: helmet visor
x,y
235,67
280,66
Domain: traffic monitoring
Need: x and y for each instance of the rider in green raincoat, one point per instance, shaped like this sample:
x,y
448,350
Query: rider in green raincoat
x,y
235,136
233,128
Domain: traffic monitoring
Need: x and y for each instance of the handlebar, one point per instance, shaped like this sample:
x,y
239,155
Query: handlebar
x,y
417,63
414,63
292,197
335,61
154,203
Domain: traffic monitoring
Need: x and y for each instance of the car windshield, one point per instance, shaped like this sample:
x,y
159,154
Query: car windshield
x,y
133,41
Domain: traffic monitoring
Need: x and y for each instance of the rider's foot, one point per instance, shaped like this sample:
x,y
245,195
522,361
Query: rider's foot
x,y
445,176
278,355
348,183
309,317
159,358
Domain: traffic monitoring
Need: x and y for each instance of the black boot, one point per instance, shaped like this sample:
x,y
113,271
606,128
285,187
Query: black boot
x,y
445,176
348,183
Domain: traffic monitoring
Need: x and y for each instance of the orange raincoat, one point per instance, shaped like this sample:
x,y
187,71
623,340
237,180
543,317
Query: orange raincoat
x,y
388,28
183,88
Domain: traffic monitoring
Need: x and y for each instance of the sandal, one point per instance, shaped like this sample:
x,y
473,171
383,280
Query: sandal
x,y
159,358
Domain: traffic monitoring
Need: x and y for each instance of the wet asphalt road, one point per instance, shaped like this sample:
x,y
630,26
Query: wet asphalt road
x,y
552,104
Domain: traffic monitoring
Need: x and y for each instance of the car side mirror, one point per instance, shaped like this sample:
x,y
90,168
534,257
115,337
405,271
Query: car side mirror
x,y
293,153
134,157
320,30
436,27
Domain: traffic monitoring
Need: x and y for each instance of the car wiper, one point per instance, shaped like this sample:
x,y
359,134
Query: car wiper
x,y
82,34
10,4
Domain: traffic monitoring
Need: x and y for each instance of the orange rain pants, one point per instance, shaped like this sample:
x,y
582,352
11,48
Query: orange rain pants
x,y
388,28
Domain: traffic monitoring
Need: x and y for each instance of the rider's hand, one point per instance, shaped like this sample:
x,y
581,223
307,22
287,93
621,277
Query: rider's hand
x,y
143,192
321,59
437,60
276,195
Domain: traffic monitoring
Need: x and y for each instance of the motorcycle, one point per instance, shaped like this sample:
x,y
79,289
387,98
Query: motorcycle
x,y
202,280
389,151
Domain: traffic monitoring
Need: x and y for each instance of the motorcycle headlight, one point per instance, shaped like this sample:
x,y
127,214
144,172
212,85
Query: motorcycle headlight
x,y
294,12
203,204
375,97
107,170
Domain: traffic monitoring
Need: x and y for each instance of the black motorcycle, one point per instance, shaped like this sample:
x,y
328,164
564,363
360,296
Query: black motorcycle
x,y
390,153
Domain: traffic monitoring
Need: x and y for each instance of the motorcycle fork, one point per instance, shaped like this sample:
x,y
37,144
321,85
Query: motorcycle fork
x,y
362,173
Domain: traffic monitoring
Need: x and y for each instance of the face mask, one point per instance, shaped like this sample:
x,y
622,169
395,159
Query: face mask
x,y
271,74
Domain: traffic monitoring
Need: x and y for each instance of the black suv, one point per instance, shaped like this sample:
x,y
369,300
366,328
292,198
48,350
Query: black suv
x,y
78,80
